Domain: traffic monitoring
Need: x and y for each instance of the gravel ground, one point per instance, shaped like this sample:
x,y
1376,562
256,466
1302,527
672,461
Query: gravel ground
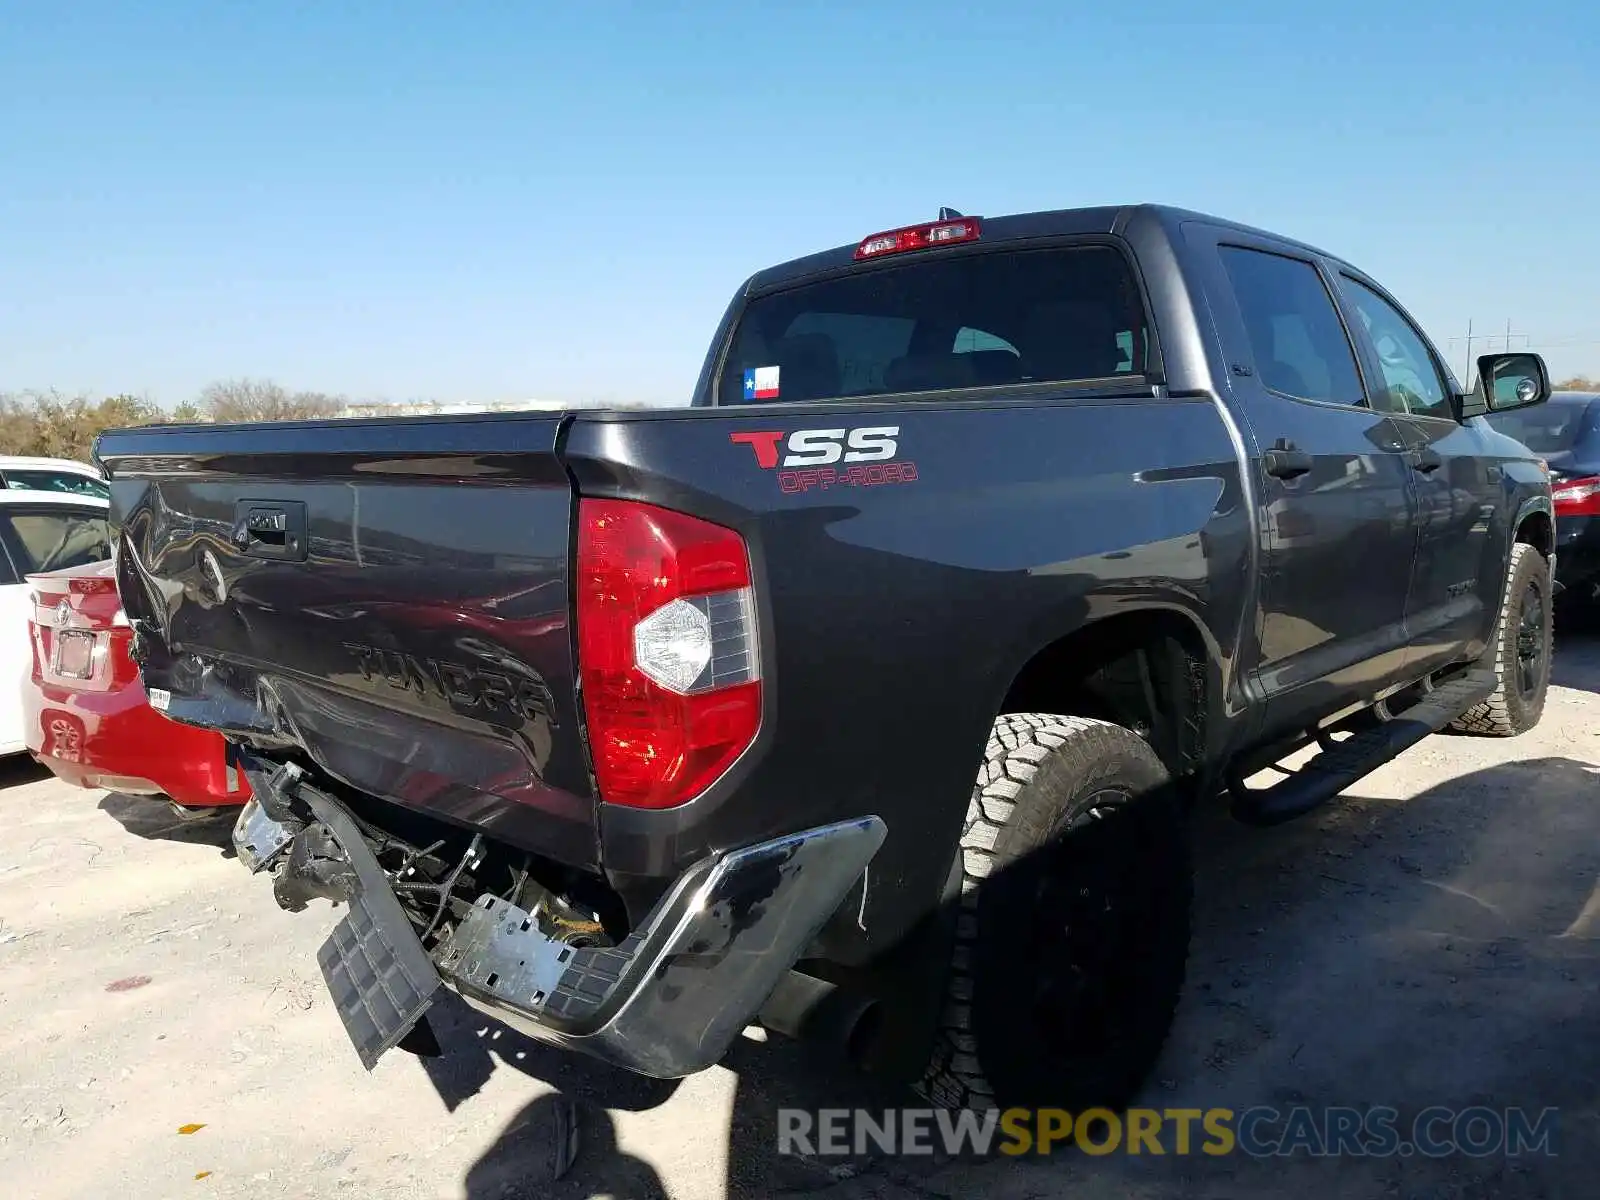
x,y
1431,939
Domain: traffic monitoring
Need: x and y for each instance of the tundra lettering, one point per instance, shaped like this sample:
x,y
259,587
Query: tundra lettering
x,y
462,687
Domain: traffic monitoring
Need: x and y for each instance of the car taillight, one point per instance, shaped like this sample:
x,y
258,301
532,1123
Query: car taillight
x,y
668,657
1577,497
79,634
41,654
920,237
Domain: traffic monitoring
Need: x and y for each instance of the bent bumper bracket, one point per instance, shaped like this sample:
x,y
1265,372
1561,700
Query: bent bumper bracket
x,y
666,1002
672,997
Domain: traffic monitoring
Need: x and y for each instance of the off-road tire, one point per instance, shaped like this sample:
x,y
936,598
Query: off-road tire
x,y
1511,710
1063,798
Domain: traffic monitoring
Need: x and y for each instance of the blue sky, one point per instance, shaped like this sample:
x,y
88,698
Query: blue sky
x,y
479,201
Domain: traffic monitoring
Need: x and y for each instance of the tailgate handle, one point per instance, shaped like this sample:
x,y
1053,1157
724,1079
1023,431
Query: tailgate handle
x,y
271,529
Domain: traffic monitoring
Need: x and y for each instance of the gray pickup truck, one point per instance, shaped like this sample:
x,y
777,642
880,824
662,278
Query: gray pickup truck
x,y
870,692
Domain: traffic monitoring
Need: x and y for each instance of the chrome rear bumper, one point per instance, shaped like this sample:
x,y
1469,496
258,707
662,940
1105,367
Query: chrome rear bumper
x,y
666,1002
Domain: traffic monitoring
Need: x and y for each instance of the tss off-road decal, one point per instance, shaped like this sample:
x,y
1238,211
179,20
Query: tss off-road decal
x,y
826,458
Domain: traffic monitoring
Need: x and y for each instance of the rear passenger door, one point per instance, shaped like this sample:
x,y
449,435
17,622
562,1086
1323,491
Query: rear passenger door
x,y
1333,484
1457,579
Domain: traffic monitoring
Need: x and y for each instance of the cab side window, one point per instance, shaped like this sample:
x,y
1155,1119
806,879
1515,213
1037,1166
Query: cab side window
x,y
1411,379
1298,341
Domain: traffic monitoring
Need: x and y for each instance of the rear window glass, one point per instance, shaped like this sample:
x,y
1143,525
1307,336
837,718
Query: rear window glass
x,y
52,541
971,320
1549,428
35,480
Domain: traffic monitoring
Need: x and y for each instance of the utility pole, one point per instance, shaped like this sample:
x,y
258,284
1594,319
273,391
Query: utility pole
x,y
1508,335
1467,374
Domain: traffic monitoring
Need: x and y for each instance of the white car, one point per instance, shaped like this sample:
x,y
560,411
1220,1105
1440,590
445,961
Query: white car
x,y
52,475
39,531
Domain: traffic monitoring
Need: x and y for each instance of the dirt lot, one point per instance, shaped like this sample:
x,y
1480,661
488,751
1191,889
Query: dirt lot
x,y
1431,940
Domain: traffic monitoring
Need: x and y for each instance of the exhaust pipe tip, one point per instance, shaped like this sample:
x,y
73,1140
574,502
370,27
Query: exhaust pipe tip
x,y
806,1008
191,813
864,1030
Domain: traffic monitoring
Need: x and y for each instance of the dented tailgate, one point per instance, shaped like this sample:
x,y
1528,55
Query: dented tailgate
x,y
390,596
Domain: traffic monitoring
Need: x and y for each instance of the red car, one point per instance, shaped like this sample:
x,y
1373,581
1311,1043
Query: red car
x,y
86,713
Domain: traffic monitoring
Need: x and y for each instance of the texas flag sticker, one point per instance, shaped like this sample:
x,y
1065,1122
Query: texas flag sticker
x,y
761,383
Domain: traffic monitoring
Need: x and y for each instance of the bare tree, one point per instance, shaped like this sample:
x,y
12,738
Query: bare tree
x,y
263,400
50,425
1579,383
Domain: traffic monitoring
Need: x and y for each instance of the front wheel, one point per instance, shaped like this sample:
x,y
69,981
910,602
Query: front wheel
x,y
1073,933
1519,652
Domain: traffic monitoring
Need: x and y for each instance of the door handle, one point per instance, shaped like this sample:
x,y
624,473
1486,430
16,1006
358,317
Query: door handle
x,y
1426,459
1286,460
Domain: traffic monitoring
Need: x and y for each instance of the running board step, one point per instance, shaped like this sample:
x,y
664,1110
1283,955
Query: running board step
x,y
1342,764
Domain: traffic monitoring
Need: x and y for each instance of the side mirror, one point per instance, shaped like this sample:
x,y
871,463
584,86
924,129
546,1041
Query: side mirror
x,y
1513,380
1507,381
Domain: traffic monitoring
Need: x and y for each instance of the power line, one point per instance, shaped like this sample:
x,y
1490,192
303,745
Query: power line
x,y
1556,344
1525,341
1528,340
1488,339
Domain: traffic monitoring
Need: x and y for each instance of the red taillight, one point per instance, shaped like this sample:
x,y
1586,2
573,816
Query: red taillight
x,y
89,592
1577,497
920,237
667,650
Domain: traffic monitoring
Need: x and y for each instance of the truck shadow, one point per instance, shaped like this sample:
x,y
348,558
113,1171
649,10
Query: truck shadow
x,y
474,1046
1439,950
1577,653
569,1125
152,817
564,1143
531,1158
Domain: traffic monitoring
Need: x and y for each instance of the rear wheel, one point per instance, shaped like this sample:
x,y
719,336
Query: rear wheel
x,y
1519,652
1073,932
